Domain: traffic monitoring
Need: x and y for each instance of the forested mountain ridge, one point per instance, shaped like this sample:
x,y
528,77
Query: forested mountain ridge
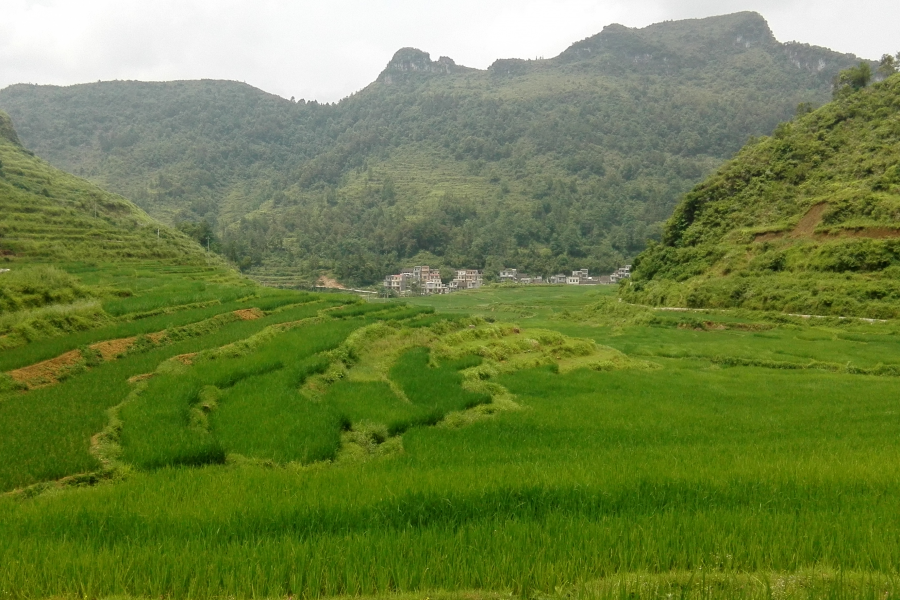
x,y
805,221
543,165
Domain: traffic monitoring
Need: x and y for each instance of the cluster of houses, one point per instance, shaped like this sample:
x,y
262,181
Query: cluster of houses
x,y
579,277
424,280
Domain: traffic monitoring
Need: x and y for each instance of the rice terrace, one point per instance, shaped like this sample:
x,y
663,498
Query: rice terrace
x,y
185,415
534,441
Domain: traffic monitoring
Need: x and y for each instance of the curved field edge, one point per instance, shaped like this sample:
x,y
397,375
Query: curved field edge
x,y
416,368
60,420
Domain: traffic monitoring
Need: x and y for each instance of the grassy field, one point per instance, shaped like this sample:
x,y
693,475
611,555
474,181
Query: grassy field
x,y
541,442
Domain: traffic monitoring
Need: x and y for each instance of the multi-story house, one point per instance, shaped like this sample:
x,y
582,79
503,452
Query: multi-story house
x,y
397,283
509,276
468,279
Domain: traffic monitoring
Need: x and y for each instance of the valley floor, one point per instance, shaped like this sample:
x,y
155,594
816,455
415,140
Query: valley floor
x,y
525,442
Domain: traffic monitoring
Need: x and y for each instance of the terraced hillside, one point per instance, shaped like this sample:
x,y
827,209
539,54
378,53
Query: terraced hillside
x,y
50,214
804,221
544,165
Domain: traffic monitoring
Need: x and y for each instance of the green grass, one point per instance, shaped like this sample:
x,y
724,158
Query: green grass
x,y
434,390
162,298
363,403
82,304
515,303
262,414
45,434
689,479
600,475
46,349
266,417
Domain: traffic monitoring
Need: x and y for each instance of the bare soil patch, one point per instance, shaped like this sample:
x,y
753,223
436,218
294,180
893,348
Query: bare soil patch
x,y
186,359
47,372
807,225
249,314
329,282
805,228
113,349
157,337
141,377
880,233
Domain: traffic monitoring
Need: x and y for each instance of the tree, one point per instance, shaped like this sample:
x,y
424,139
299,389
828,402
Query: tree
x,y
804,108
888,65
201,232
852,79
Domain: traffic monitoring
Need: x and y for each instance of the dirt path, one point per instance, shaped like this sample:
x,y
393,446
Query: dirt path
x,y
807,225
806,228
330,283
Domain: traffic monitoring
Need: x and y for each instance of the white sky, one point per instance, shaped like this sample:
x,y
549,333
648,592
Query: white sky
x,y
328,49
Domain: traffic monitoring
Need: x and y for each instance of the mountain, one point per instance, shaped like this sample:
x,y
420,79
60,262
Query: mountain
x,y
804,221
48,215
544,165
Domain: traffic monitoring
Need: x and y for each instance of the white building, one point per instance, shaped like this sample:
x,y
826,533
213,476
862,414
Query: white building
x,y
509,276
467,279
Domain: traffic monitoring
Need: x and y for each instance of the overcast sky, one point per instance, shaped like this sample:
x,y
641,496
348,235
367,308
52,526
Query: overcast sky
x,y
328,49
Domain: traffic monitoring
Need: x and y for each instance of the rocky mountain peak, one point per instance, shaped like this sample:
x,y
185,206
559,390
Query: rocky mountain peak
x,y
728,34
412,60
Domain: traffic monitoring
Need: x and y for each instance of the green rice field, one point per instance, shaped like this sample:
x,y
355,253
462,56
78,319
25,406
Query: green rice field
x,y
509,442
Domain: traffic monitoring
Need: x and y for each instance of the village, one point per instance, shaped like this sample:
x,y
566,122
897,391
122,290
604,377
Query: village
x,y
423,280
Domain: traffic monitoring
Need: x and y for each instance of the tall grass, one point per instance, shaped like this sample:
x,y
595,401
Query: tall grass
x,y
45,434
601,476
171,296
434,390
373,403
266,417
262,413
21,327
33,286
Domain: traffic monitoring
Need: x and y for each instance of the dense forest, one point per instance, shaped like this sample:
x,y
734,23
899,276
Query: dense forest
x,y
806,221
543,165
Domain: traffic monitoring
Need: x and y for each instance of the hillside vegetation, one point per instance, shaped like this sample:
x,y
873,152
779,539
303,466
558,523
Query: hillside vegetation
x,y
50,214
807,220
66,245
543,165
